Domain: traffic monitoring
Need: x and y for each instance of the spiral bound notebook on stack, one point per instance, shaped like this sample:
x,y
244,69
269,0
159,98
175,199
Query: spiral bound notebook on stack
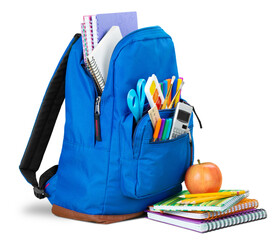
x,y
243,205
172,203
208,215
209,225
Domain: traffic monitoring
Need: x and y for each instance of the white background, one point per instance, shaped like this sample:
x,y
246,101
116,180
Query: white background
x,y
226,52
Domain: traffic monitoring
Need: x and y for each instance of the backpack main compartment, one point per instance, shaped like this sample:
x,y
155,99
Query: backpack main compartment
x,y
125,172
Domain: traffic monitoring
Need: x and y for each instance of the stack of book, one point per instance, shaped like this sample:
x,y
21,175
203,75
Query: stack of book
x,y
207,212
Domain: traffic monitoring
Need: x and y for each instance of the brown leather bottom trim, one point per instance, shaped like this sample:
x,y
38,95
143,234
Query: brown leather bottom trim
x,y
67,213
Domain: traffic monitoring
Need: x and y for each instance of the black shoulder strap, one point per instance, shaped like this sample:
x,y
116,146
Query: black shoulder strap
x,y
44,126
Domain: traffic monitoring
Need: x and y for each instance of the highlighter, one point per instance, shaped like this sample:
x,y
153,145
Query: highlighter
x,y
161,129
157,129
167,129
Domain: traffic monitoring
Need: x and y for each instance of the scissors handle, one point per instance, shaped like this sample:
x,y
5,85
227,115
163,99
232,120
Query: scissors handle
x,y
141,95
133,104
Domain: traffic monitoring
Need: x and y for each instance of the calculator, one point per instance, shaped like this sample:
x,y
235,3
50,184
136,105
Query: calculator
x,y
181,120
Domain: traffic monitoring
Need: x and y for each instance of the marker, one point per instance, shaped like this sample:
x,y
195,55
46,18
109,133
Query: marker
x,y
164,134
161,129
168,129
157,129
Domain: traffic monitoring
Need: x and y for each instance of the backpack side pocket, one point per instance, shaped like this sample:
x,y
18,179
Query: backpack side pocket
x,y
153,167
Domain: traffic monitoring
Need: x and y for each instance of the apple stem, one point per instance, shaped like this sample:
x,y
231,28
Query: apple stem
x,y
198,161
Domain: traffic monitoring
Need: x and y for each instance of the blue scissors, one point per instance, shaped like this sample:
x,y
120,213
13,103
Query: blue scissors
x,y
136,101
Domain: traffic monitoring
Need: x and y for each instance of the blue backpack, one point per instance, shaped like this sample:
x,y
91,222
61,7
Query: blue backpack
x,y
110,171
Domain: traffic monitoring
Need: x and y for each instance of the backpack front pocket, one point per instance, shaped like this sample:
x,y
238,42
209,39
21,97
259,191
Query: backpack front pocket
x,y
154,167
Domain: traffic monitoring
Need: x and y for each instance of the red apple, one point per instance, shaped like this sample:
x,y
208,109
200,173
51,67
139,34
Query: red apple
x,y
203,178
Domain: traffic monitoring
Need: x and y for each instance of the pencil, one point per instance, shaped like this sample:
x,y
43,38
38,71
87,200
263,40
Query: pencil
x,y
231,193
180,80
201,200
170,106
164,105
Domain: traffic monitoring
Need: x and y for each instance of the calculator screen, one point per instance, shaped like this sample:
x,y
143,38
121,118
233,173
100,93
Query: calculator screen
x,y
183,116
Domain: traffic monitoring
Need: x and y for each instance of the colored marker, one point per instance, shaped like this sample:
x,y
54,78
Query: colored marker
x,y
161,129
169,128
165,130
157,129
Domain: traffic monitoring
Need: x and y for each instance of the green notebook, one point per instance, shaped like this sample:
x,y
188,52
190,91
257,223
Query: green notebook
x,y
170,204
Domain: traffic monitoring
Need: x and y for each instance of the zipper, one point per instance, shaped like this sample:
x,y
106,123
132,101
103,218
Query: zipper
x,y
97,113
119,46
97,107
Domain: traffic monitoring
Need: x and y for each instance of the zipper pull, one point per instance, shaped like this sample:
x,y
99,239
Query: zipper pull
x,y
97,119
191,146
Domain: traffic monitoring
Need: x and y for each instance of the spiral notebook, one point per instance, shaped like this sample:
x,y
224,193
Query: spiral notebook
x,y
209,225
101,23
94,27
243,205
171,204
98,60
87,37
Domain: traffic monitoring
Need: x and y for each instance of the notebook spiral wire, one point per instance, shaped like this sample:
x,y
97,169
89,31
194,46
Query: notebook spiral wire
x,y
94,70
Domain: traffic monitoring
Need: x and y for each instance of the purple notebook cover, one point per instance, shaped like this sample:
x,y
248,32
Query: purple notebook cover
x,y
127,21
194,221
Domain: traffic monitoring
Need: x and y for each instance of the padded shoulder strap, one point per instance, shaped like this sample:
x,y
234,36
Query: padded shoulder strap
x,y
44,126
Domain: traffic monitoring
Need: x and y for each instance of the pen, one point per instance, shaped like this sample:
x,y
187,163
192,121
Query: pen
x,y
157,129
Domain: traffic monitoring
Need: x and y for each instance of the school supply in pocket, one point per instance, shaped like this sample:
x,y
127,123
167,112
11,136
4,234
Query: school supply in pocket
x,y
98,60
181,120
157,130
168,92
154,115
203,226
136,99
167,129
153,92
176,97
180,83
109,169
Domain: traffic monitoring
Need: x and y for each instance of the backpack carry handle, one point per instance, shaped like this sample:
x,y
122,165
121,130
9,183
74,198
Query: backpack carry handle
x,y
43,127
